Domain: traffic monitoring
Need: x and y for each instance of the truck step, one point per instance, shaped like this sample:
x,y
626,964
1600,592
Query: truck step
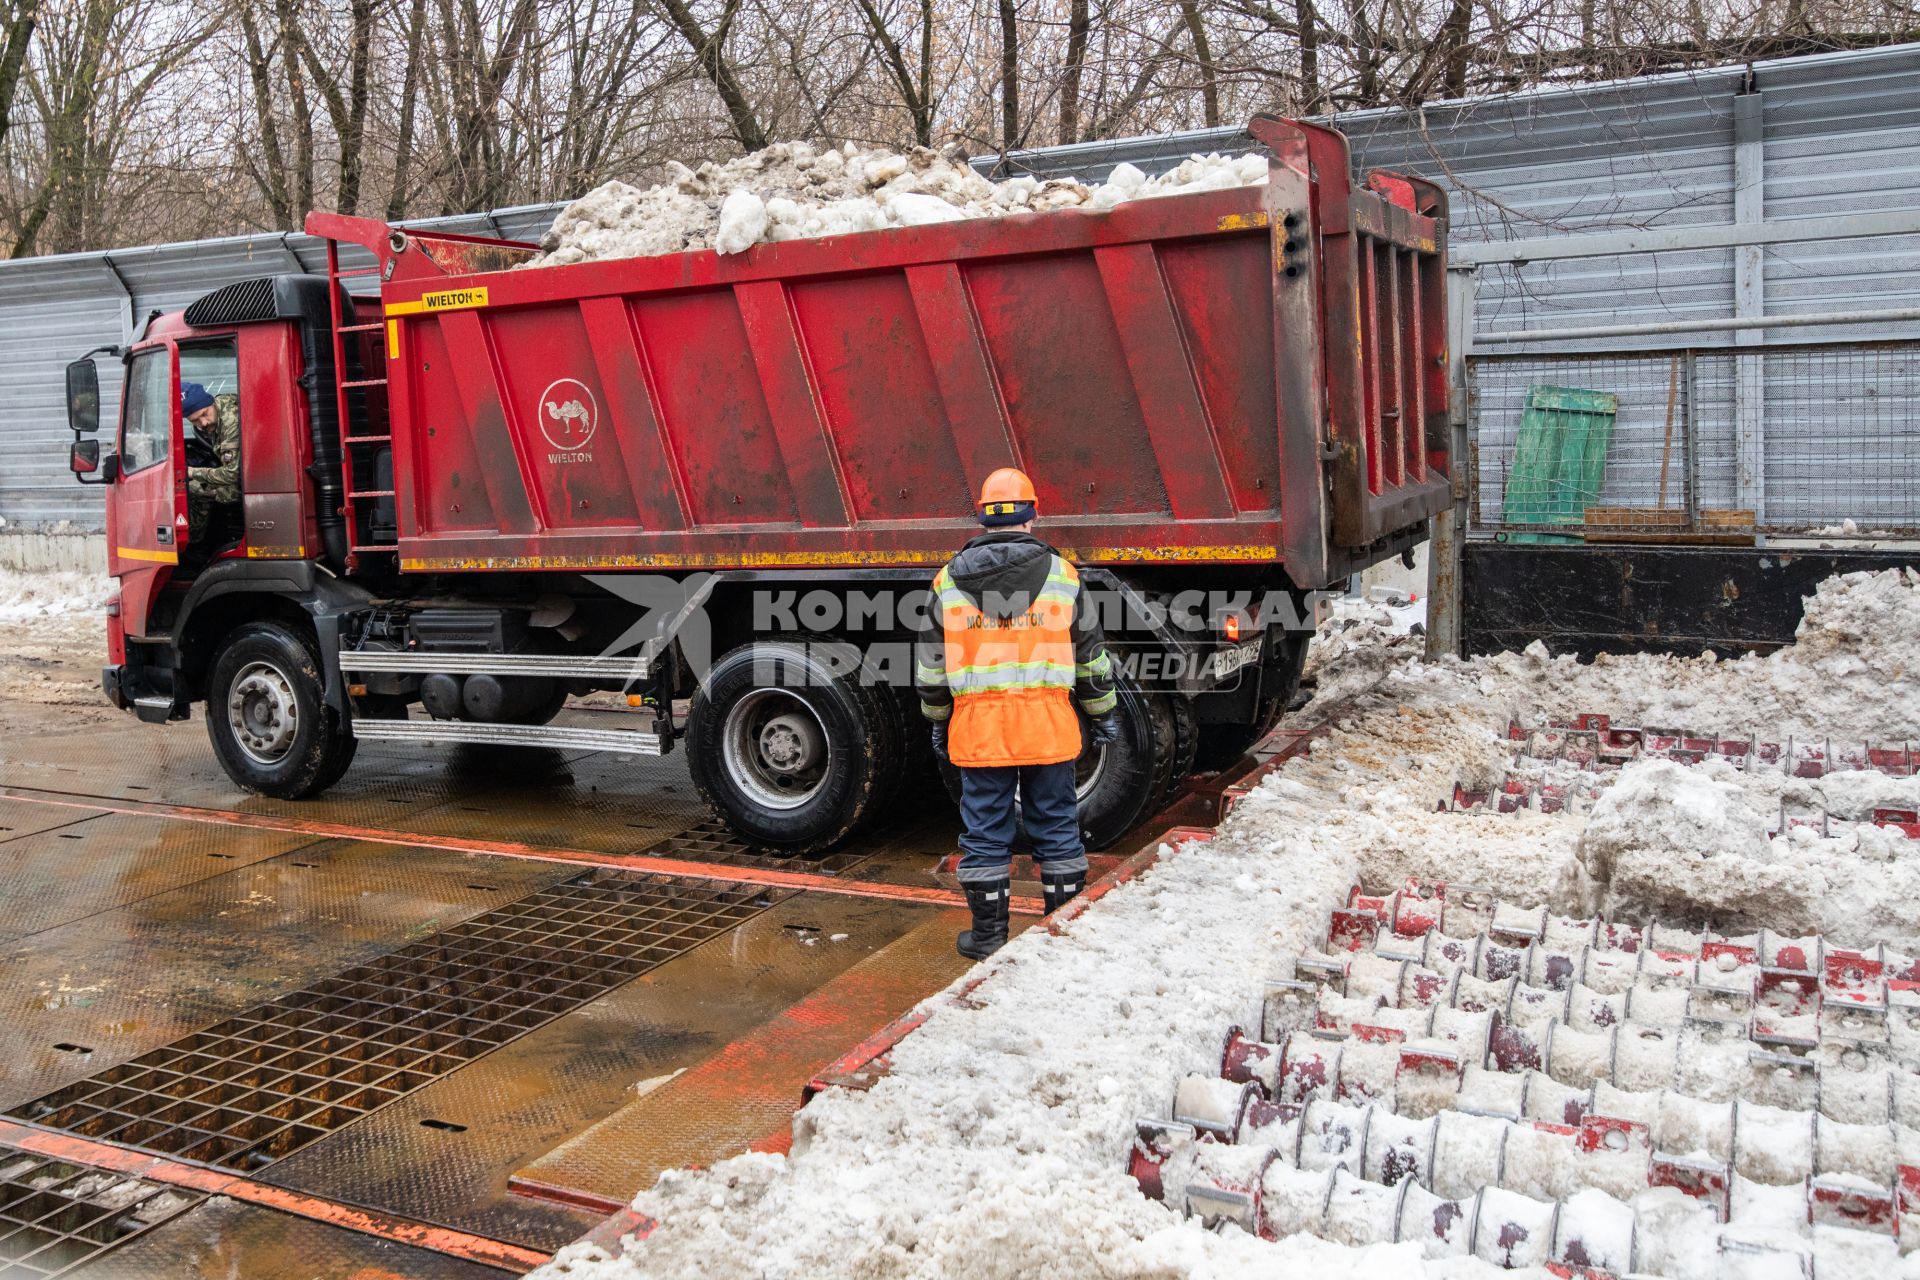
x,y
559,665
154,708
566,737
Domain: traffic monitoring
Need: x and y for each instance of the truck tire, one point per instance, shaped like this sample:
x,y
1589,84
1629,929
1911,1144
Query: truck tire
x,y
1177,738
1222,744
267,715
792,751
1120,784
919,781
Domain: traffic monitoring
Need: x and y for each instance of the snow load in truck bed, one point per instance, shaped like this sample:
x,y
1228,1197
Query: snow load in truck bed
x,y
792,191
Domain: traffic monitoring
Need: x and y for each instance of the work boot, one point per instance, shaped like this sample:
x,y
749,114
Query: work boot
x,y
1061,887
988,902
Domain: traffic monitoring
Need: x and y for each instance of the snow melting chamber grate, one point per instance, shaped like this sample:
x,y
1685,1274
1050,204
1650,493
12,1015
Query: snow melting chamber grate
x,y
279,1076
55,1216
710,841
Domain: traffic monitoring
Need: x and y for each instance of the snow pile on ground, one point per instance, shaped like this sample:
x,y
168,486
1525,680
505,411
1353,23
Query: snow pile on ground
x,y
25,596
1853,672
1690,844
793,191
995,1146
53,637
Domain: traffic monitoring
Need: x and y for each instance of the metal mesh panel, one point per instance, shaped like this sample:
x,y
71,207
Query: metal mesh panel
x,y
55,1216
1847,446
264,1084
1700,442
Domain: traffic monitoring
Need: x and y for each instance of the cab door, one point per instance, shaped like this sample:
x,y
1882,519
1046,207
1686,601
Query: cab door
x,y
148,522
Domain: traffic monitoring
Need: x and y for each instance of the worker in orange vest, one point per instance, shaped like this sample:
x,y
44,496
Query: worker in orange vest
x,y
1019,646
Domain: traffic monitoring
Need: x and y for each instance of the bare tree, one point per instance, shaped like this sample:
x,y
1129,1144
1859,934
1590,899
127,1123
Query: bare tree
x,y
1009,76
346,106
916,83
1203,55
709,50
90,79
399,191
1079,28
17,20
270,173
292,38
120,120
479,54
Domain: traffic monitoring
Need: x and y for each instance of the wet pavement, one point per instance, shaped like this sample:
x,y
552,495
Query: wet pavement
x,y
184,977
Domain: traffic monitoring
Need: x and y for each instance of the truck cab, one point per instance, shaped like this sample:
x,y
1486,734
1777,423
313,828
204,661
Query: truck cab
x,y
267,345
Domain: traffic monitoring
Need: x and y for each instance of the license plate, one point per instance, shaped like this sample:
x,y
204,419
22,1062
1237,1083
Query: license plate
x,y
1228,661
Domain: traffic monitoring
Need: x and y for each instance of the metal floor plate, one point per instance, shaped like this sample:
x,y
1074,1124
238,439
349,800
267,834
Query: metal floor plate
x,y
259,1086
90,994
227,1240
444,1154
590,800
234,996
747,1092
18,818
710,841
55,1216
95,864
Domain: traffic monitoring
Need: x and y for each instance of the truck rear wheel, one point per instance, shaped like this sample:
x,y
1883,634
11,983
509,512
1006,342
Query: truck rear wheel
x,y
267,715
787,745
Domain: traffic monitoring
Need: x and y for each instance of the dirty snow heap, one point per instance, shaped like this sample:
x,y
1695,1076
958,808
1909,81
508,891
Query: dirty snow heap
x,y
997,1142
792,191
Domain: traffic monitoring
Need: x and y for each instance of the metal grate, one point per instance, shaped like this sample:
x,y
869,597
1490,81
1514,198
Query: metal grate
x,y
55,1216
1701,442
266,1083
711,841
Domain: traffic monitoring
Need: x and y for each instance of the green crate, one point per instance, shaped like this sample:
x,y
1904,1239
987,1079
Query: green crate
x,y
1558,461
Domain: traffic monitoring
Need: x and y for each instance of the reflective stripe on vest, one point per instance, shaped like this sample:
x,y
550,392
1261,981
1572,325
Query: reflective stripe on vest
x,y
1011,677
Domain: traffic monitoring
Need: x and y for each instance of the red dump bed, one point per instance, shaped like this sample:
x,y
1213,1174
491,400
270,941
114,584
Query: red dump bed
x,y
1247,375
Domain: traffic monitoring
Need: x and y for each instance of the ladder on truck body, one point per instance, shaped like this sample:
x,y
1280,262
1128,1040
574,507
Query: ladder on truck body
x,y
358,452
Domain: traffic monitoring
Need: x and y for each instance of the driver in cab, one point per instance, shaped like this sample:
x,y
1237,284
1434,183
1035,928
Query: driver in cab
x,y
216,428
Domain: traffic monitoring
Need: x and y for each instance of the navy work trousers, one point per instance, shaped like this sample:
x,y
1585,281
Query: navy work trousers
x,y
1044,796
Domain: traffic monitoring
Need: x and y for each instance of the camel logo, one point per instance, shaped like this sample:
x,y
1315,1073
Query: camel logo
x,y
568,415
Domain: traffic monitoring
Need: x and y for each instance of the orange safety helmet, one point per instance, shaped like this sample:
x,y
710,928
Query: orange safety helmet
x,y
1006,498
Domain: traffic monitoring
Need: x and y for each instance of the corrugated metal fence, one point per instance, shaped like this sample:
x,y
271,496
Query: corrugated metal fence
x,y
1790,139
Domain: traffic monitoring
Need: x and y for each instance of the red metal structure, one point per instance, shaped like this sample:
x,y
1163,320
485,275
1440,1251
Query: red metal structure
x,y
1235,390
1182,376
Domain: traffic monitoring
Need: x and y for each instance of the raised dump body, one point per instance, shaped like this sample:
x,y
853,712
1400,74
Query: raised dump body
x,y
1248,375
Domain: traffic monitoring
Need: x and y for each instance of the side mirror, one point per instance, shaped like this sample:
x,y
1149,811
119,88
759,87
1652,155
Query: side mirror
x,y
84,460
83,397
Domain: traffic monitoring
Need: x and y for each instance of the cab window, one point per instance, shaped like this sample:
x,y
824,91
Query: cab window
x,y
146,429
215,366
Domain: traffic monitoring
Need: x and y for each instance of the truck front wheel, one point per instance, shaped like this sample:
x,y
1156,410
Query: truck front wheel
x,y
267,715
788,746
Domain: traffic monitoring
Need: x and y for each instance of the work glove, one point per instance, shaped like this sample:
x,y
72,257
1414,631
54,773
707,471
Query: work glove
x,y
939,736
1105,730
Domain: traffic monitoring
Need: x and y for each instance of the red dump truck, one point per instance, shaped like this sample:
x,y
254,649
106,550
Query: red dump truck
x,y
484,505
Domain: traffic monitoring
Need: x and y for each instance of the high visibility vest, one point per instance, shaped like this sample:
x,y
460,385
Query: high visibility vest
x,y
1011,678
